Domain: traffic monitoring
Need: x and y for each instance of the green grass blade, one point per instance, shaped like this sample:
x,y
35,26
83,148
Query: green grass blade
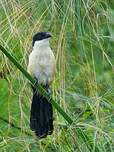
x,y
33,82
86,139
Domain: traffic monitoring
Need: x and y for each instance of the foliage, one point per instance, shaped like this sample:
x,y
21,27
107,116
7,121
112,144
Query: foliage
x,y
82,41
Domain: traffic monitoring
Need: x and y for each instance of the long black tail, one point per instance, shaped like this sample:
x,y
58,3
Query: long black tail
x,y
41,119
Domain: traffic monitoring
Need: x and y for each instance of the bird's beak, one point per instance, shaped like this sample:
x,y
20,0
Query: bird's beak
x,y
48,35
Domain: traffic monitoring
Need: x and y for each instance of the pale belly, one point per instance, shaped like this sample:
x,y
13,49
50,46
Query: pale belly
x,y
42,67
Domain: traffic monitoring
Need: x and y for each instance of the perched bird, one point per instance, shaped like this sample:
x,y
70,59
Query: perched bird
x,y
42,67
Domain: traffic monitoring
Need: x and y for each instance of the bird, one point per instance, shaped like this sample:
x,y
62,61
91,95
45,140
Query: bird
x,y
42,67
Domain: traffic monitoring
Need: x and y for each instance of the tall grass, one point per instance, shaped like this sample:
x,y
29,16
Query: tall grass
x,y
82,42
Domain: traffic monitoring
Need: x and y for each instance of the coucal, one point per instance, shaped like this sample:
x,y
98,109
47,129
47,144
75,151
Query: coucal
x,y
42,67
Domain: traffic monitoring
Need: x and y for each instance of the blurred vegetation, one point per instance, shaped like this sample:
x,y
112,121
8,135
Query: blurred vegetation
x,y
83,42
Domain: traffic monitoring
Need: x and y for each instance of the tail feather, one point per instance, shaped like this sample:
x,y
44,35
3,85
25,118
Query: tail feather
x,y
41,119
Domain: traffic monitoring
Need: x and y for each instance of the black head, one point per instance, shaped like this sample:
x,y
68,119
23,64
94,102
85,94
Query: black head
x,y
40,36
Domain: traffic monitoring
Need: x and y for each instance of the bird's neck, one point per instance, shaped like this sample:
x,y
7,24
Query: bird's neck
x,y
41,44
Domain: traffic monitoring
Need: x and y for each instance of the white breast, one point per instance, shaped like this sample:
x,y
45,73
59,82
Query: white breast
x,y
42,64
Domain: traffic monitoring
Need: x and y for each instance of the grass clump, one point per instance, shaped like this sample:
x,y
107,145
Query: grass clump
x,y
83,45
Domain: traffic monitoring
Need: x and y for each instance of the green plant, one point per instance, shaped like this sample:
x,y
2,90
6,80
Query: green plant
x,y
83,45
